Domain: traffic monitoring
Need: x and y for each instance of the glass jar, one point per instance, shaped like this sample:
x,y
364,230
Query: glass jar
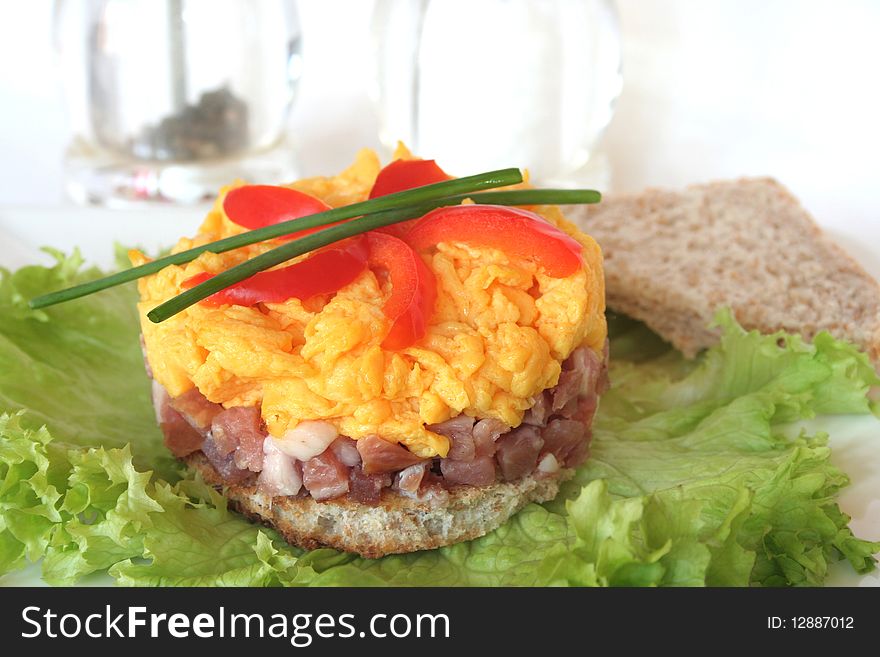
x,y
170,99
498,83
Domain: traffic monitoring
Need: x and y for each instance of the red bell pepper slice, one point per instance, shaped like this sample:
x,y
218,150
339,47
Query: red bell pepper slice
x,y
324,272
401,175
413,289
515,231
256,206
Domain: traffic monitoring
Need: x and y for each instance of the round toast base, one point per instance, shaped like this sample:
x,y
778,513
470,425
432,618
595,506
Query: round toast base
x,y
396,525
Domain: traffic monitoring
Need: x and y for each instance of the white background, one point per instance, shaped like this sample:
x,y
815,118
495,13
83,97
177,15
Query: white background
x,y
713,89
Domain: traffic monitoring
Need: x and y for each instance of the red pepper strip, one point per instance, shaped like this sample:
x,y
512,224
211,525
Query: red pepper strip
x,y
324,272
401,175
256,206
413,289
515,231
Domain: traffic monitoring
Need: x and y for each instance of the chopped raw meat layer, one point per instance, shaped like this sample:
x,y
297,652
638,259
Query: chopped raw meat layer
x,y
312,460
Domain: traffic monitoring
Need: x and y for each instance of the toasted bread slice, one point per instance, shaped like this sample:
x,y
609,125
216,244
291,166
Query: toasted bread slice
x,y
673,258
397,524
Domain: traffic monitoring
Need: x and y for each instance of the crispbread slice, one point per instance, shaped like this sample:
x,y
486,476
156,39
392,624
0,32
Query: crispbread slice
x,y
673,258
397,524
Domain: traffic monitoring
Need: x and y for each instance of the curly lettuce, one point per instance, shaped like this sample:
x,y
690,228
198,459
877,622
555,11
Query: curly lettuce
x,y
694,478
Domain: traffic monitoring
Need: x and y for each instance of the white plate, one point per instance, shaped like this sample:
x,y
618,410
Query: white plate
x,y
854,440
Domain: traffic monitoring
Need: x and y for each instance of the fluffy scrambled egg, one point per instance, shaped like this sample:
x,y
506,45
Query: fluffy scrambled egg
x,y
499,332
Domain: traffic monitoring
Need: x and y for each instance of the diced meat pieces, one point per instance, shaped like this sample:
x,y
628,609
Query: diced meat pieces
x,y
379,455
586,409
570,409
462,448
537,414
346,451
584,373
224,463
240,429
460,431
561,418
325,476
486,433
409,479
367,488
179,436
281,474
433,490
567,389
579,371
196,408
472,446
224,442
518,452
580,453
234,444
476,472
562,437
307,439
249,455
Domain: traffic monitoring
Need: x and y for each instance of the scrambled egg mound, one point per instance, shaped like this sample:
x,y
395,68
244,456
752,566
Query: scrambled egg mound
x,y
499,332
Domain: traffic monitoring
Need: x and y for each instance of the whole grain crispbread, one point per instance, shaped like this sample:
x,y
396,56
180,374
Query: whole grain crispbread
x,y
673,258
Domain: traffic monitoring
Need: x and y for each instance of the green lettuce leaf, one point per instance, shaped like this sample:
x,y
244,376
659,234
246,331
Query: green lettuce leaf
x,y
694,478
77,367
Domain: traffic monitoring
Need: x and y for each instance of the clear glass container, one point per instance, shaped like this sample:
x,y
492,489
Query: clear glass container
x,y
170,99
498,83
